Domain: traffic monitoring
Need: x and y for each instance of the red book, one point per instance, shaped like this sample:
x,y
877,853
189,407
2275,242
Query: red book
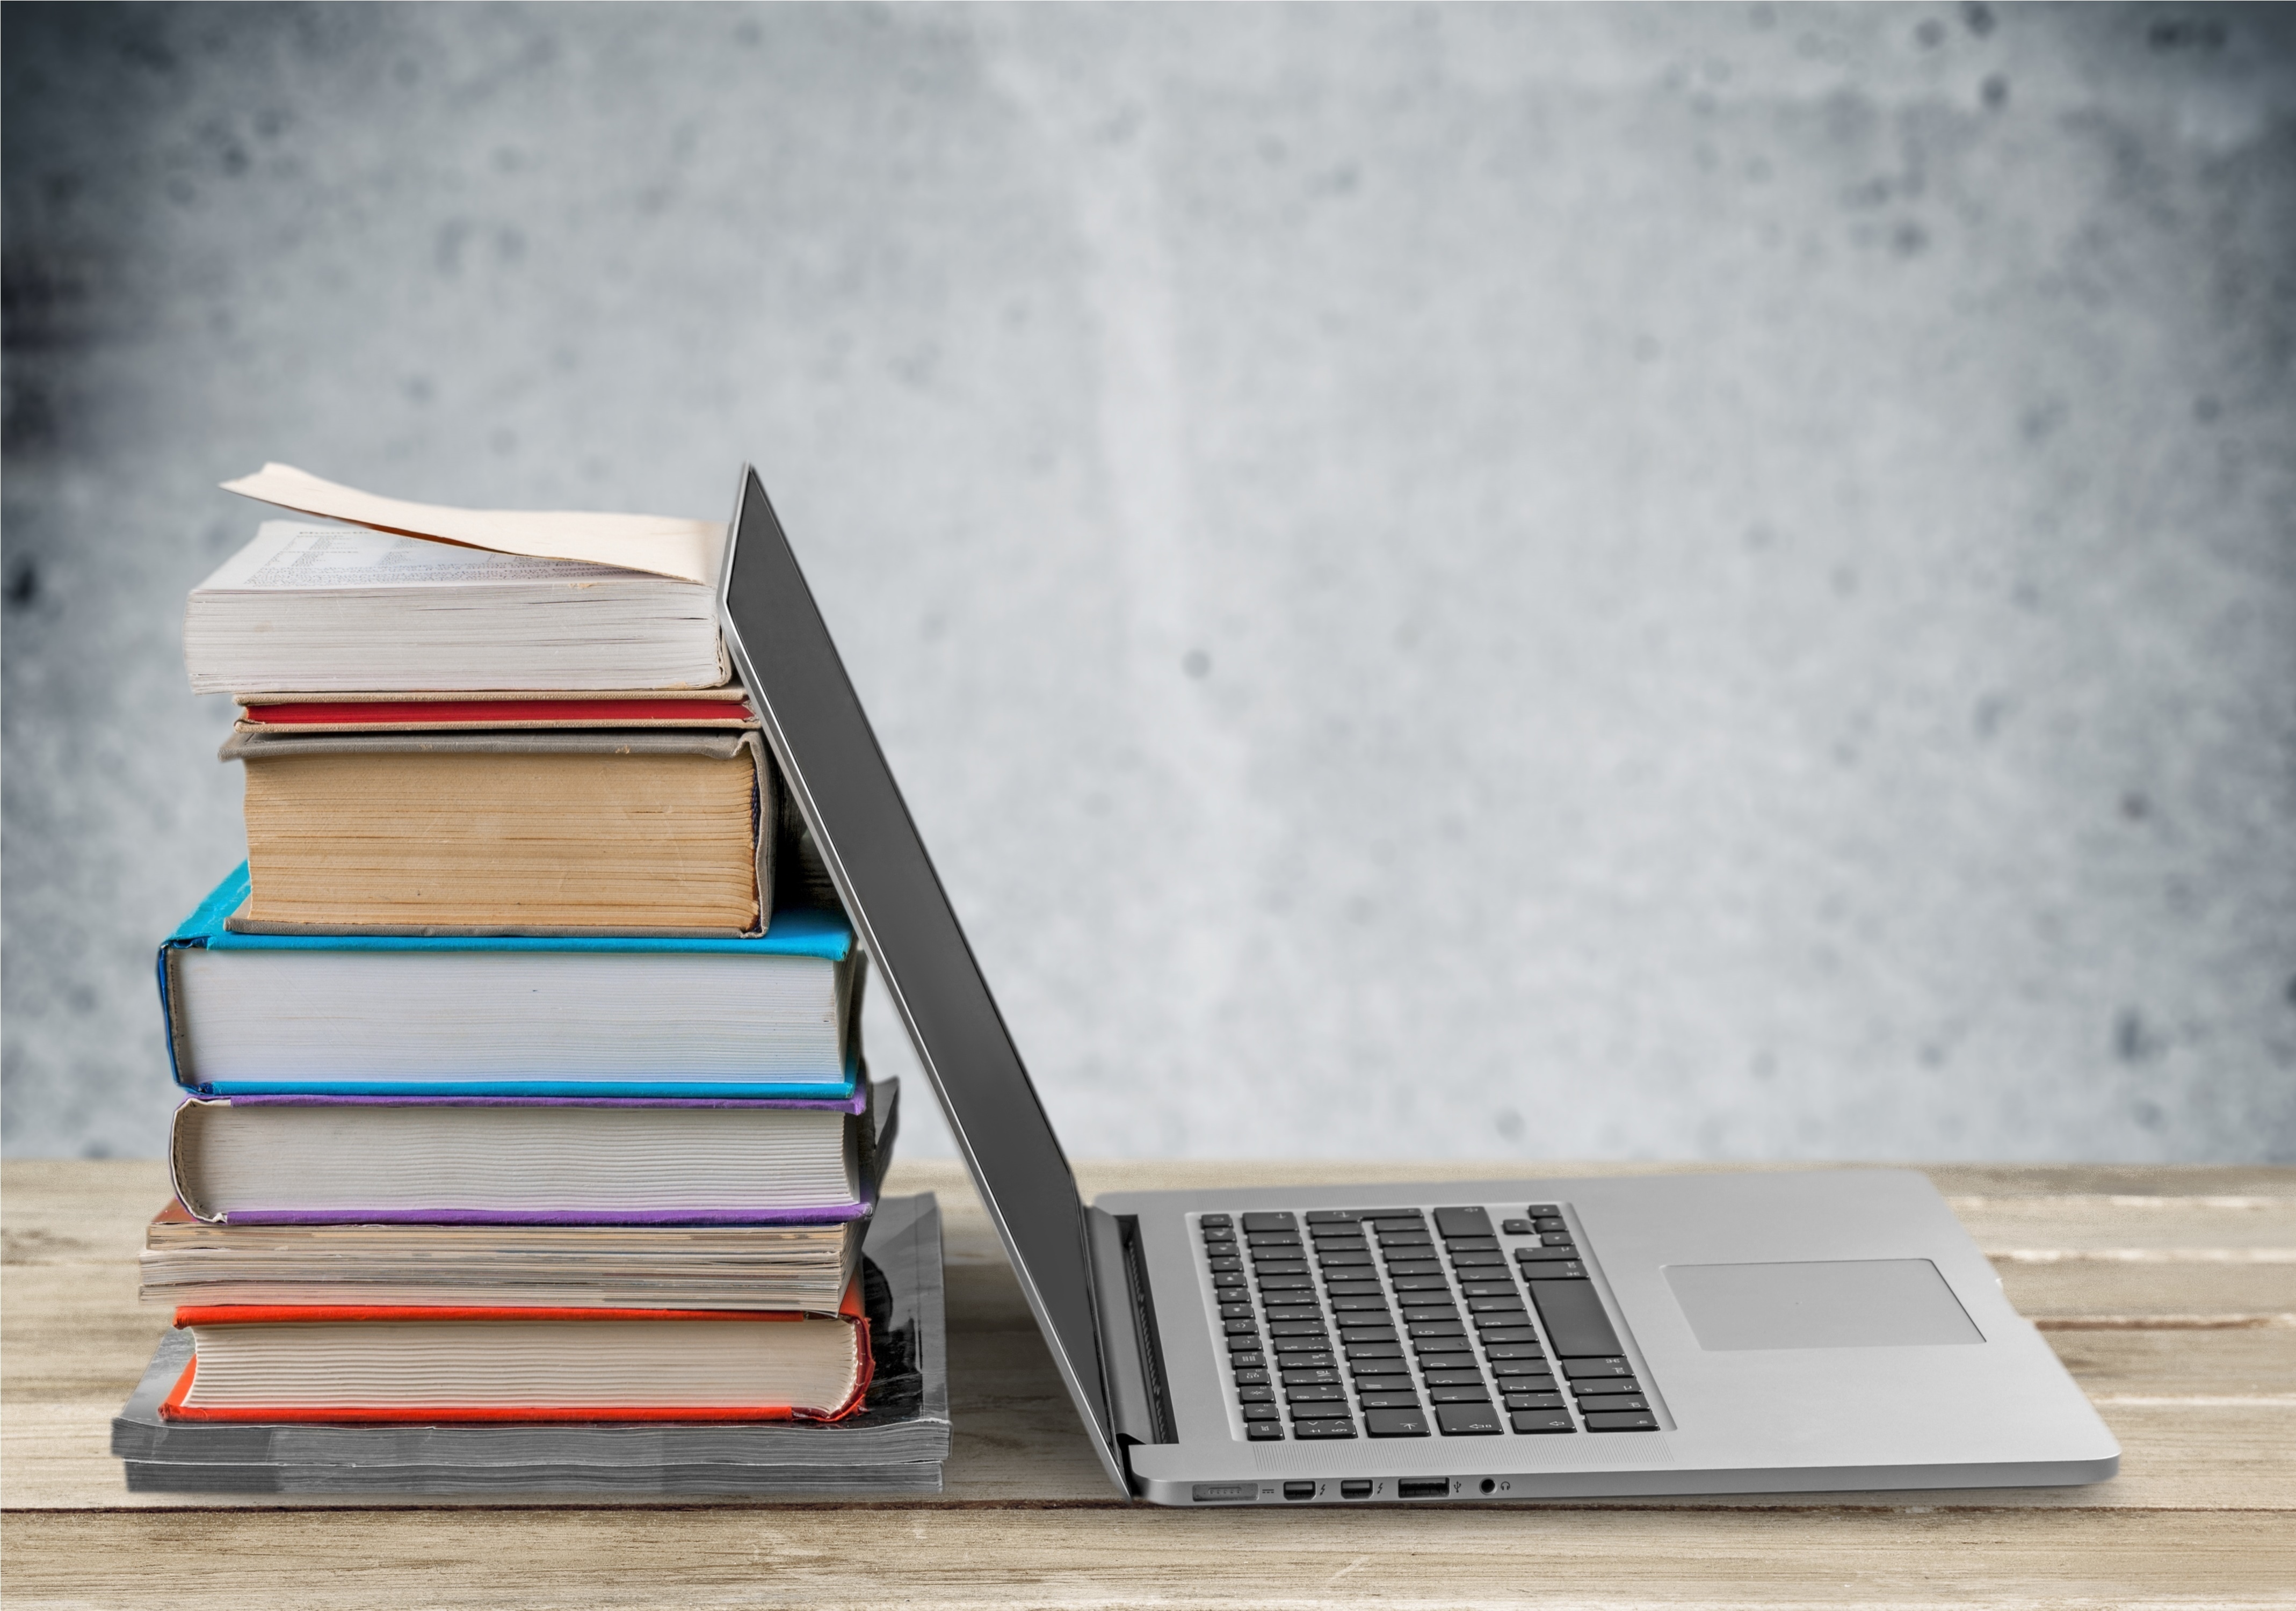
x,y
364,716
371,1363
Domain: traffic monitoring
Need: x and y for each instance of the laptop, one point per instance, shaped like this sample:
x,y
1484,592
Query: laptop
x,y
1745,1332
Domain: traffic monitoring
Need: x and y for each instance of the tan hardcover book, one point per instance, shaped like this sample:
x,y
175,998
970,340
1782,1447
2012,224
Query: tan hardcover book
x,y
649,831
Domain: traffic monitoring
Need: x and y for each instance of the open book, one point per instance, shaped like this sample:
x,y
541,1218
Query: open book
x,y
382,595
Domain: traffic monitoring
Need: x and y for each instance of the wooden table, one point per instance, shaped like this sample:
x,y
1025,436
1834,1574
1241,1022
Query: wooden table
x,y
2170,1293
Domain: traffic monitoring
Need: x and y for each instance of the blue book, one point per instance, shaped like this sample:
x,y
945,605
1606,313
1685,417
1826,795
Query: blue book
x,y
776,1016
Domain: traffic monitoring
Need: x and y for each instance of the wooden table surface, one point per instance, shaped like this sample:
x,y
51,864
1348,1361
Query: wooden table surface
x,y
2169,1292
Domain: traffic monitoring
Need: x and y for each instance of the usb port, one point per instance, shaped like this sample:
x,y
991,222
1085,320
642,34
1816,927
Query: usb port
x,y
1422,1487
1359,1488
1299,1491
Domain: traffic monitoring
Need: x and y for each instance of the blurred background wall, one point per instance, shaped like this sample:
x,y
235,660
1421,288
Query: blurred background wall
x,y
1711,581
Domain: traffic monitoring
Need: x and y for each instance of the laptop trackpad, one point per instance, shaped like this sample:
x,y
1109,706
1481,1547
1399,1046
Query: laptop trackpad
x,y
1839,1303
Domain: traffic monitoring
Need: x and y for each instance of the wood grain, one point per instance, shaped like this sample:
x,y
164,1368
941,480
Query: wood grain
x,y
917,1558
2170,1295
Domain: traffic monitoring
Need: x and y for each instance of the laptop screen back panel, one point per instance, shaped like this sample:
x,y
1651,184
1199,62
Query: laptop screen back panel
x,y
837,774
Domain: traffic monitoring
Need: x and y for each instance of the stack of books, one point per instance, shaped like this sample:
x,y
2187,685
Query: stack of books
x,y
526,1145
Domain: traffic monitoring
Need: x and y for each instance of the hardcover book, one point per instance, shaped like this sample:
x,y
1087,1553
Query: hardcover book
x,y
666,831
367,1363
774,1016
530,1160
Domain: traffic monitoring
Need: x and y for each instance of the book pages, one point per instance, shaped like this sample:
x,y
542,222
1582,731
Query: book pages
x,y
665,546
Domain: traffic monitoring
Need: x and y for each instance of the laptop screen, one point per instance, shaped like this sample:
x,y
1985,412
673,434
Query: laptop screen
x,y
829,760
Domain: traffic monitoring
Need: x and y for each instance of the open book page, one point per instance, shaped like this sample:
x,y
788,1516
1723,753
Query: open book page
x,y
665,546
294,556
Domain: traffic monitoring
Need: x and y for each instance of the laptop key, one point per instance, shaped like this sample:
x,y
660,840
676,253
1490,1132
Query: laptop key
x,y
1235,1312
1384,1382
1249,1360
1462,1222
1545,1255
1310,1376
1455,1378
1242,1327
1387,1401
1396,1422
1637,1422
1534,1401
1476,1394
1358,1350
1255,1395
1614,1365
1605,1387
1509,1304
1507,1366
1214,1221
1264,1432
1437,1282
1299,1327
1608,1403
1358,1303
1513,1351
1574,1319
1323,1430
1260,1412
1397,1269
1471,1290
1256,1377
1325,1393
1284,1220
1221,1266
1540,1420
1468,1421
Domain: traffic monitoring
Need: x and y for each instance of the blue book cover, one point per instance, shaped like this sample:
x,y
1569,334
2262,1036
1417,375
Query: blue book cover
x,y
795,933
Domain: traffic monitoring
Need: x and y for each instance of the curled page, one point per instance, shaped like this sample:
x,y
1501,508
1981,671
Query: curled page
x,y
662,545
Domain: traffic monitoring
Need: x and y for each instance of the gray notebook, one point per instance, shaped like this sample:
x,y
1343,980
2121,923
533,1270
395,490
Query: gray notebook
x,y
894,1444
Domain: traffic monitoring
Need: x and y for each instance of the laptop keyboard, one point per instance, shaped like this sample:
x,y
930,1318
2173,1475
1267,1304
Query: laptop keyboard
x,y
1407,1322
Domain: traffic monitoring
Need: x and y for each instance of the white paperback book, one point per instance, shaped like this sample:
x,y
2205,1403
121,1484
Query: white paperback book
x,y
313,607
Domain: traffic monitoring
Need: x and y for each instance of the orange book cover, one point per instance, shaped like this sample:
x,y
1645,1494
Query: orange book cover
x,y
174,1407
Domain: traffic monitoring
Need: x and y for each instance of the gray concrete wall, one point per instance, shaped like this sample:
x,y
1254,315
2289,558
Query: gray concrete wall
x,y
1712,582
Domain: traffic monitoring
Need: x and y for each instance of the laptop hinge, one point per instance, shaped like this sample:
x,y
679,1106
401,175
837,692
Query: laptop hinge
x,y
1131,1359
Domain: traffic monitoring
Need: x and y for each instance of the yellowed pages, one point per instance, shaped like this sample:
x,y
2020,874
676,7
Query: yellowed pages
x,y
575,841
661,546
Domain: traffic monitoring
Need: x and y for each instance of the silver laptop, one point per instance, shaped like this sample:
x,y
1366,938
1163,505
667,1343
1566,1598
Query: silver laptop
x,y
1773,1332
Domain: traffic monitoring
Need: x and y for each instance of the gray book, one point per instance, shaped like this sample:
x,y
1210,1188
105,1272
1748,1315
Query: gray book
x,y
894,1444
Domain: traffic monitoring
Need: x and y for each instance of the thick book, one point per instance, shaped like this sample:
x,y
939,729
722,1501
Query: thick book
x,y
188,1260
893,1442
319,607
349,1362
530,1160
774,1016
647,830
